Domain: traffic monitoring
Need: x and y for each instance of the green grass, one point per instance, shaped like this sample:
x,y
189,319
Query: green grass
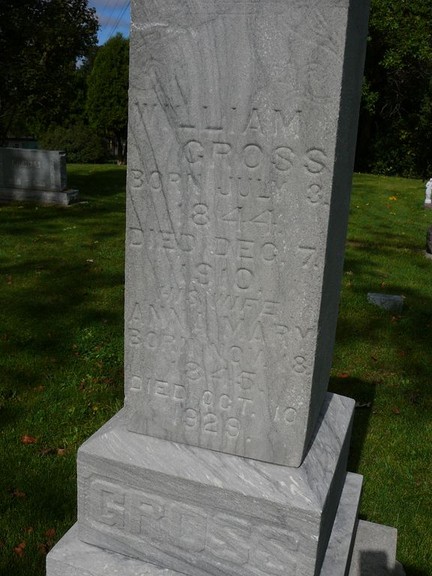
x,y
61,338
385,359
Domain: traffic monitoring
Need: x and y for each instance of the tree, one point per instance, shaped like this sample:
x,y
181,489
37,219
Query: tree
x,y
107,94
395,133
40,44
78,140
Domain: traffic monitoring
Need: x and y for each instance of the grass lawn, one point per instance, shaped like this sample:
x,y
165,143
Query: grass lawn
x,y
384,360
61,338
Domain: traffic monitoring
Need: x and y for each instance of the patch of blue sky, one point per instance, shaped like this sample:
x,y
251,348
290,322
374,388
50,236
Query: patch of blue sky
x,y
113,16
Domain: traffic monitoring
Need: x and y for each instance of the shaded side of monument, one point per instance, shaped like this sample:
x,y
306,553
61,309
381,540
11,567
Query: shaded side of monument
x,y
229,456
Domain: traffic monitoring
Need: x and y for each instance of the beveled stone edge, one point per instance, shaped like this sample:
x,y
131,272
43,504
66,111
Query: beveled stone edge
x,y
376,542
341,542
211,481
71,557
113,442
47,197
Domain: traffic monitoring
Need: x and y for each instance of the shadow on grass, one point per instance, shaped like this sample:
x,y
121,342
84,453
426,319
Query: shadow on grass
x,y
394,348
45,314
364,394
61,332
407,334
100,181
61,271
383,361
411,571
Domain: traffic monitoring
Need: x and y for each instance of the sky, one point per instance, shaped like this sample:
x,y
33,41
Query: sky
x,y
114,17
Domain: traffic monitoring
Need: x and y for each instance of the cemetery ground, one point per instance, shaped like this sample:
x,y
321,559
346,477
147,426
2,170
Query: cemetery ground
x,y
61,338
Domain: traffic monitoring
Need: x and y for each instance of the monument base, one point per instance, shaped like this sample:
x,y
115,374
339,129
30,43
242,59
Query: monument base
x,y
148,506
71,557
49,197
201,512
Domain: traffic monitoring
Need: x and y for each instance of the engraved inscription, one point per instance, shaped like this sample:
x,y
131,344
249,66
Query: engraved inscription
x,y
217,536
234,134
227,263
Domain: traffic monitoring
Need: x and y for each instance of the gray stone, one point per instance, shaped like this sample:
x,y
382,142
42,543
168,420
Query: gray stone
x,y
241,141
63,198
203,512
375,551
34,175
72,557
428,201
339,550
229,458
373,555
389,302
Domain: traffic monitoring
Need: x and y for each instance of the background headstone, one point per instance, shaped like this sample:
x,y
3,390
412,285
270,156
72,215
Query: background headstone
x,y
34,175
428,193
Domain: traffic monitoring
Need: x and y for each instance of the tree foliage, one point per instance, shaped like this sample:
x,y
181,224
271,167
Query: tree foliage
x,y
40,43
79,141
395,133
41,86
107,95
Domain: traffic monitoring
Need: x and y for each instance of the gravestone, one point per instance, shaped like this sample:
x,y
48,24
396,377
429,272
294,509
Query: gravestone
x,y
390,302
428,192
229,456
235,166
34,175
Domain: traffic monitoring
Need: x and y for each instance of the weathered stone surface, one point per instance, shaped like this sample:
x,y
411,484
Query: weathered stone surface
x,y
339,550
34,176
241,139
33,169
72,557
203,512
63,198
374,551
390,302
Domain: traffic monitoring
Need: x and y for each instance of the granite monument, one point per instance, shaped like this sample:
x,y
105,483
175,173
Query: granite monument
x,y
229,456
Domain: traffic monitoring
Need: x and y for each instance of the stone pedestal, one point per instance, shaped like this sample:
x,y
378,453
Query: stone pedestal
x,y
149,507
203,512
199,512
373,555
